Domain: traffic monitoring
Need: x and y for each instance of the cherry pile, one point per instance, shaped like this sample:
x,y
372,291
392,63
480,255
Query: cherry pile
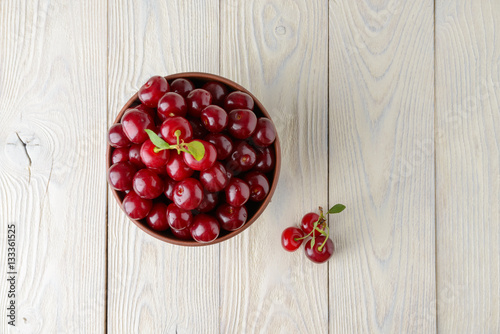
x,y
192,159
314,230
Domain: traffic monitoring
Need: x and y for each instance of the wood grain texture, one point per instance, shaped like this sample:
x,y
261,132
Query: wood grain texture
x,y
381,83
468,166
278,50
154,287
52,163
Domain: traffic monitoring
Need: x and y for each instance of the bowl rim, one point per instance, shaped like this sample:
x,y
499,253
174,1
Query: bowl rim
x,y
277,148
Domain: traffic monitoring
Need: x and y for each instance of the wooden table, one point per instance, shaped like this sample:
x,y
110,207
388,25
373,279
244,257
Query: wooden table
x,y
388,106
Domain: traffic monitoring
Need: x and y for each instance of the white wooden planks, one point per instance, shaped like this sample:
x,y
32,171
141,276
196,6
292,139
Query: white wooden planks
x,y
381,83
468,166
154,287
52,169
278,50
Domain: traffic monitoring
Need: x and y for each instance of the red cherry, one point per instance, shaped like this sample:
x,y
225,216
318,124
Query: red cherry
x,y
289,238
134,123
150,111
264,134
208,158
173,124
209,202
266,159
188,194
237,192
134,156
152,159
182,87
177,168
317,255
214,178
223,144
119,155
170,105
169,187
120,176
135,206
205,228
147,184
116,136
259,186
157,217
199,130
151,92
217,90
242,159
184,234
238,100
242,123
230,217
197,100
214,118
178,218
307,223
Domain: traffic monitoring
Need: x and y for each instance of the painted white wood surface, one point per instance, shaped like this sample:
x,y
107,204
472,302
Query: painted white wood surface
x,y
382,279
52,163
468,166
370,113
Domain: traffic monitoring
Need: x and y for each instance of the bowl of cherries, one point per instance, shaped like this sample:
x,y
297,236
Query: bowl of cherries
x,y
193,158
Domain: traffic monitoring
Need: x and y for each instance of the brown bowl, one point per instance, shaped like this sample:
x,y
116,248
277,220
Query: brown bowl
x,y
254,209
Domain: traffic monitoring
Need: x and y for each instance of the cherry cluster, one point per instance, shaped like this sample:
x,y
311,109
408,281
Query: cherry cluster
x,y
190,156
313,228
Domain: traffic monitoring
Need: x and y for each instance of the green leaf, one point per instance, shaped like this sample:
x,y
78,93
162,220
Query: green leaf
x,y
160,143
196,149
336,208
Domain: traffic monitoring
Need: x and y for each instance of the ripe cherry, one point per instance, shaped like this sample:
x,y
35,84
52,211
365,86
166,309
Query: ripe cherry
x,y
173,124
209,202
259,186
135,206
264,134
290,238
152,159
237,192
223,144
205,228
217,90
151,92
321,251
214,118
230,217
214,178
184,234
134,156
197,100
170,105
134,123
120,176
182,87
238,100
148,184
178,218
242,159
119,155
157,217
242,123
116,136
177,168
206,162
169,187
150,111
188,194
307,223
199,130
266,159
